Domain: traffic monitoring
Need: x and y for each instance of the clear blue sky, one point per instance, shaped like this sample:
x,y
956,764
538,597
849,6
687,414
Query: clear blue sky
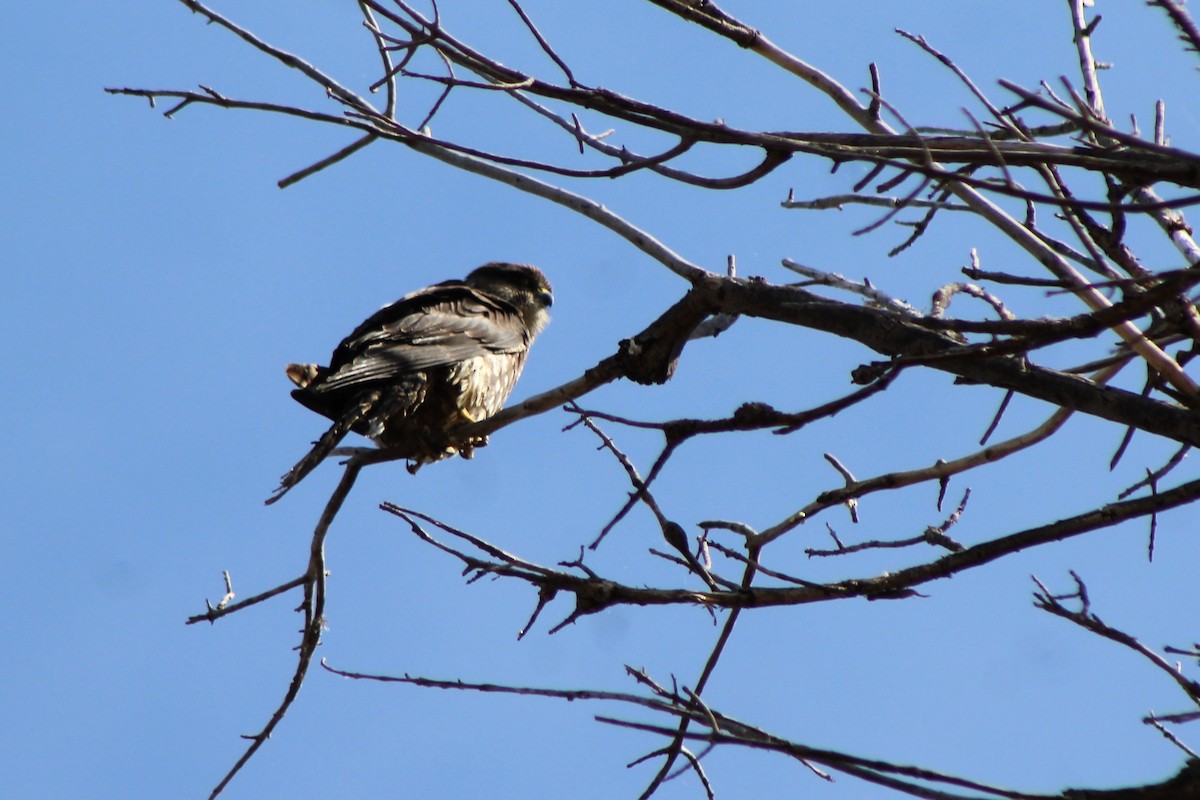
x,y
155,282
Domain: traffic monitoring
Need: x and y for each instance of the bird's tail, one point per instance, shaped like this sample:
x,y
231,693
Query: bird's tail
x,y
323,446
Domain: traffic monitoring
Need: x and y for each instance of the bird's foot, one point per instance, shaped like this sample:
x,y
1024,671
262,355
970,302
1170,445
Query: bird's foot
x,y
467,449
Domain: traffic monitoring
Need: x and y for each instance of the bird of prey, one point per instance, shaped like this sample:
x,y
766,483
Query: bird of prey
x,y
437,358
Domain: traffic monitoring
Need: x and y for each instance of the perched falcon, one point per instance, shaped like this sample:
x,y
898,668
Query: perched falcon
x,y
435,359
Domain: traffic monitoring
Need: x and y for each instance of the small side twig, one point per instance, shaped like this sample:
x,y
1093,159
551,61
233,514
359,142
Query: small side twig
x,y
1085,618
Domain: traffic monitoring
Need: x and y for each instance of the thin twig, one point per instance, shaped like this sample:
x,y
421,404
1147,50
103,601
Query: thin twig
x,y
314,621
223,609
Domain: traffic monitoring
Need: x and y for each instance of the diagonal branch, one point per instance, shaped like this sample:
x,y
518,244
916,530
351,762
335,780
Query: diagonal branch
x,y
314,622
594,593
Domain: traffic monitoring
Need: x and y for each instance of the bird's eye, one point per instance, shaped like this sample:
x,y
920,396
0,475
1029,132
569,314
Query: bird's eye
x,y
546,299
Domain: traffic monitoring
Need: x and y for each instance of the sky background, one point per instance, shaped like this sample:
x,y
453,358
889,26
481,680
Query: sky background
x,y
156,281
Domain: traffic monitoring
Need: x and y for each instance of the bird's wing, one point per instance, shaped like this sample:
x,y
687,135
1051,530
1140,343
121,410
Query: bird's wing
x,y
440,325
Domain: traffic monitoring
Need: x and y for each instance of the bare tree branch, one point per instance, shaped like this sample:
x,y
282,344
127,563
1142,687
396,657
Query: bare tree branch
x,y
1069,204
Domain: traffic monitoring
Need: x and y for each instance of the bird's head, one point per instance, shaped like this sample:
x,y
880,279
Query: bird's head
x,y
523,287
